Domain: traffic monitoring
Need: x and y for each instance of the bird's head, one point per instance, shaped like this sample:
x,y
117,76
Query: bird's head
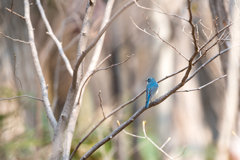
x,y
150,79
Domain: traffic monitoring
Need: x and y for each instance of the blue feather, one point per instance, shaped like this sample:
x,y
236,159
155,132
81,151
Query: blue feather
x,y
151,90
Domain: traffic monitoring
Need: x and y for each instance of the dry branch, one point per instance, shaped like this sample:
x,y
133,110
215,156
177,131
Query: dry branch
x,y
84,53
146,137
21,96
16,40
105,117
196,89
100,99
15,13
72,95
52,35
162,12
36,62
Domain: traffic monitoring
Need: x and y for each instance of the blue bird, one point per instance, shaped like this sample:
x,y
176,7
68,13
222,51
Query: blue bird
x,y
151,90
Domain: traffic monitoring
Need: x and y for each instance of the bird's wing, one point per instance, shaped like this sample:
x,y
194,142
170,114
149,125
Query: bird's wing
x,y
152,90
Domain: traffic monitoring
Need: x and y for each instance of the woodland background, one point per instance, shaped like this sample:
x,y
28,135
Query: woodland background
x,y
195,118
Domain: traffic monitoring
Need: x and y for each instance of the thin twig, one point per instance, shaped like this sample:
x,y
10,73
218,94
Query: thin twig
x,y
106,58
196,51
113,65
97,70
169,138
210,60
12,5
146,137
15,13
162,12
133,135
4,99
149,26
159,148
16,40
195,89
100,99
209,48
14,72
158,37
183,30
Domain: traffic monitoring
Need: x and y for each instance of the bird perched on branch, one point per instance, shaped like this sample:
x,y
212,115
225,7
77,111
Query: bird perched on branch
x,y
151,90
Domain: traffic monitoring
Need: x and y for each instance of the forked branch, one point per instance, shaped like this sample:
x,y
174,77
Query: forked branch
x,y
146,137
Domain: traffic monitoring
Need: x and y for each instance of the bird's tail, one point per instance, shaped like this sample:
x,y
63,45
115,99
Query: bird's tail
x,y
147,102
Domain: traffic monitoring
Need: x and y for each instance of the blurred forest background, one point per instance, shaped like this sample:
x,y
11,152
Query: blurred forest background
x,y
197,119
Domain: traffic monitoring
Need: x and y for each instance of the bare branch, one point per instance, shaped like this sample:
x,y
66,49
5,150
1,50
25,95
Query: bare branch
x,y
38,67
72,95
165,142
149,26
133,135
14,72
146,137
92,67
183,30
158,36
113,65
209,48
100,99
203,85
4,99
95,127
84,53
162,12
16,40
144,131
15,13
210,60
52,35
195,43
143,30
